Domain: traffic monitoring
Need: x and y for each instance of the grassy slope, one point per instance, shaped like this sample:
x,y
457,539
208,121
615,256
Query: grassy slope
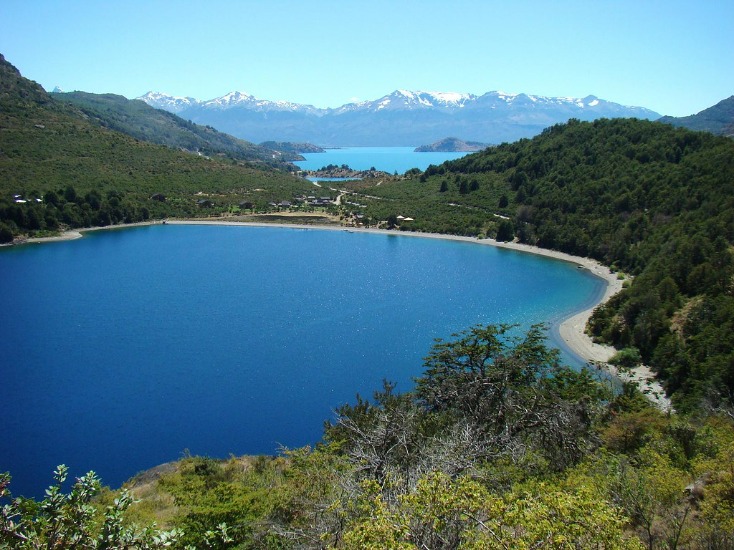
x,y
141,121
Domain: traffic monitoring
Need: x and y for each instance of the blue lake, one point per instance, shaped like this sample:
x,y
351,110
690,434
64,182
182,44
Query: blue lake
x,y
387,159
125,348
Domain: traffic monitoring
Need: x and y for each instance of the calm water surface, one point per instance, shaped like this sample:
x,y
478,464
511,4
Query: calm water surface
x,y
125,348
387,159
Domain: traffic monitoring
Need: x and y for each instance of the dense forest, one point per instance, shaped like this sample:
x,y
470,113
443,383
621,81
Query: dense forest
x,y
654,201
498,445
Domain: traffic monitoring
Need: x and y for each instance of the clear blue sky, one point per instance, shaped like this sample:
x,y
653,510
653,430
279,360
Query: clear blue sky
x,y
673,56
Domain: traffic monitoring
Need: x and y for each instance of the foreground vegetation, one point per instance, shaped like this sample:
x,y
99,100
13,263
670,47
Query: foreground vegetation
x,y
498,446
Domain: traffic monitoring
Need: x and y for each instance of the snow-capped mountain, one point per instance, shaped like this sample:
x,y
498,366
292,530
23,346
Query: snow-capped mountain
x,y
169,103
244,100
228,101
402,118
407,100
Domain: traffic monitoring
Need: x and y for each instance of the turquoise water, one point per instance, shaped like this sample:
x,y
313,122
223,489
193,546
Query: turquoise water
x,y
387,159
125,348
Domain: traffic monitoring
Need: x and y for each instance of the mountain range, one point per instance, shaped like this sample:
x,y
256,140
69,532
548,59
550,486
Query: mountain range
x,y
402,118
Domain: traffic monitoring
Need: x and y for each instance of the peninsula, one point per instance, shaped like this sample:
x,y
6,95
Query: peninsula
x,y
451,144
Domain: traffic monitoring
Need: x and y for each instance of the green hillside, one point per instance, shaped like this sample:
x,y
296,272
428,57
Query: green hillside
x,y
59,168
646,198
718,119
140,120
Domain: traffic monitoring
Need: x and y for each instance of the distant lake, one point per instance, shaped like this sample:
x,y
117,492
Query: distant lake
x,y
387,159
125,348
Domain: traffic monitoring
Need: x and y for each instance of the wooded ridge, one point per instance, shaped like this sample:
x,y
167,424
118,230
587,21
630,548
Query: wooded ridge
x,y
141,121
643,197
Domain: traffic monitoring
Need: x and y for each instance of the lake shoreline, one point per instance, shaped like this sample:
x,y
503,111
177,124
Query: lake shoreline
x,y
571,329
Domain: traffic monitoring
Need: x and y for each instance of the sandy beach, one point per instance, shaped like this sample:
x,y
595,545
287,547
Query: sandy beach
x,y
572,330
79,233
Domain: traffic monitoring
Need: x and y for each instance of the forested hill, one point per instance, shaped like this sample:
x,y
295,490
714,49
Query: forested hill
x,y
645,197
652,200
617,190
140,120
59,169
718,119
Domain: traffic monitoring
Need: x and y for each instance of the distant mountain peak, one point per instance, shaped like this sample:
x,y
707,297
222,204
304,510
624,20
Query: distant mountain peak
x,y
410,100
174,104
231,99
451,97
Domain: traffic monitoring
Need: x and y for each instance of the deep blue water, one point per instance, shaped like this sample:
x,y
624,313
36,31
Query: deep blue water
x,y
123,349
387,159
